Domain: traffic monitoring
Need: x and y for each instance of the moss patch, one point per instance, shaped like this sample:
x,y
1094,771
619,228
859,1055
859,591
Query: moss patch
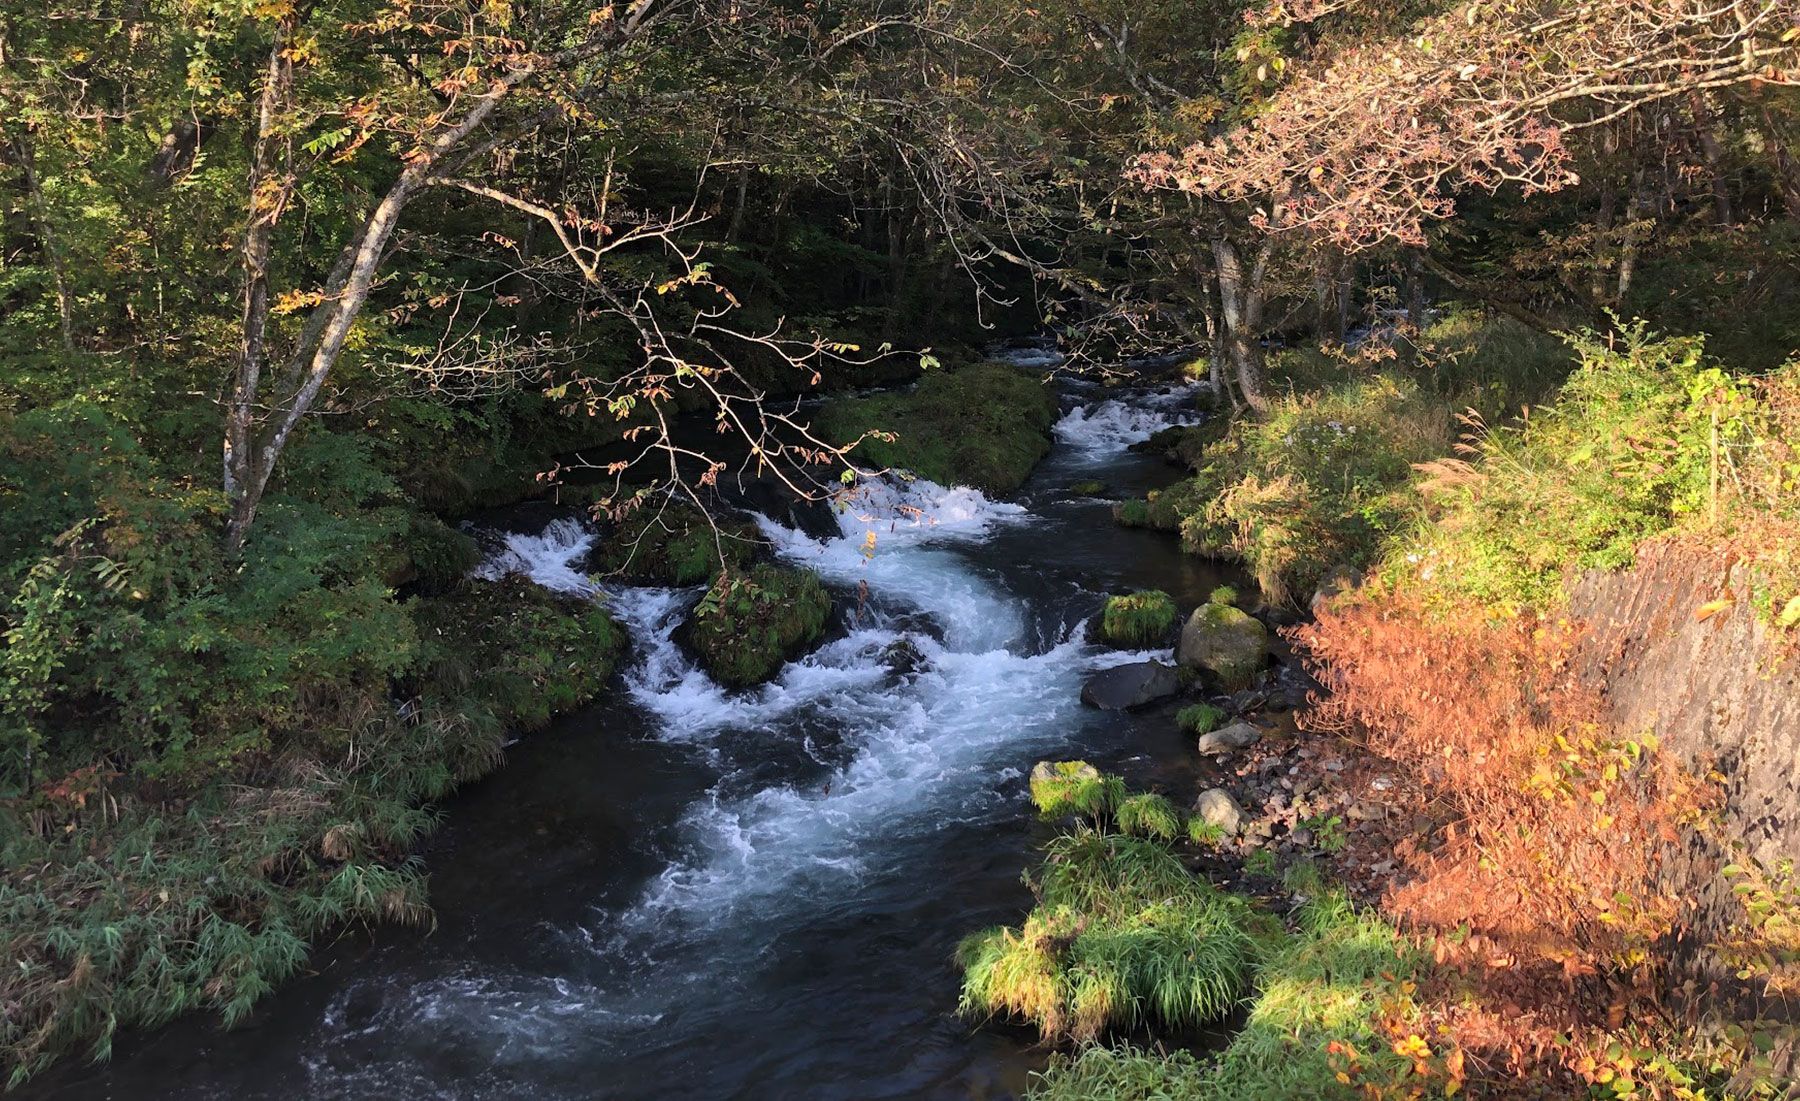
x,y
984,426
676,546
515,649
744,630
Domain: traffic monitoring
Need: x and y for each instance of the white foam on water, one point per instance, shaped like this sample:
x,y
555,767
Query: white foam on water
x,y
1111,425
913,752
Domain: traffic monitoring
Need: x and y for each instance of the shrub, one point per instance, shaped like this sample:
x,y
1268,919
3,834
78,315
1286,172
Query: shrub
x,y
1199,718
1224,594
748,625
1139,619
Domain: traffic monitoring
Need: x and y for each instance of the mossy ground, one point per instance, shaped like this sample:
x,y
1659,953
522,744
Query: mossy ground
x,y
984,426
744,630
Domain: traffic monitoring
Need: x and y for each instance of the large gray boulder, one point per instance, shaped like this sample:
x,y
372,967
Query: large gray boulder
x,y
1216,807
1127,686
1230,644
1217,743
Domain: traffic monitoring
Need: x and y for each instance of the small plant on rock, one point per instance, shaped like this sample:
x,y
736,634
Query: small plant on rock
x,y
1199,718
1139,619
1224,594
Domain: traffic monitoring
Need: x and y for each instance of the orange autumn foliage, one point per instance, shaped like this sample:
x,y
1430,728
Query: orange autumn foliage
x,y
1550,829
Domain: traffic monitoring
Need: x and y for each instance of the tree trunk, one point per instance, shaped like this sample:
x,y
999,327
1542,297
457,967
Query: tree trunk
x,y
59,272
269,186
1628,249
1715,158
1241,300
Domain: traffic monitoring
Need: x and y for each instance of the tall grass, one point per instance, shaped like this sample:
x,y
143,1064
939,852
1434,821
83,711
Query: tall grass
x,y
1123,936
1341,977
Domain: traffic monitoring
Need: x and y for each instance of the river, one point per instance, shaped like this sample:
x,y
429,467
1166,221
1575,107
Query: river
x,y
686,893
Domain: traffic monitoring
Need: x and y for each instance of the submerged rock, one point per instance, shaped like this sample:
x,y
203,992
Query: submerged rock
x,y
1230,644
903,656
1236,736
1217,807
1127,686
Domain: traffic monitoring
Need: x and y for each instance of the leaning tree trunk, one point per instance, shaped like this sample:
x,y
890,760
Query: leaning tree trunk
x,y
1242,297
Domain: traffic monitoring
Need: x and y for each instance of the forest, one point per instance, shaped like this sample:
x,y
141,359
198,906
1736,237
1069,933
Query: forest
x,y
579,549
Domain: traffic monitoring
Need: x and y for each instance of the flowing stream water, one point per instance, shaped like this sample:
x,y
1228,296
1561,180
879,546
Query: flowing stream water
x,y
683,892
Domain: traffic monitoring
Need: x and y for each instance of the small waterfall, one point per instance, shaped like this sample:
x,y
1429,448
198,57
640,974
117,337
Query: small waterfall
x,y
1113,424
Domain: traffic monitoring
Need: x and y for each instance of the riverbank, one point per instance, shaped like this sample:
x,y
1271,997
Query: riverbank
x,y
1557,871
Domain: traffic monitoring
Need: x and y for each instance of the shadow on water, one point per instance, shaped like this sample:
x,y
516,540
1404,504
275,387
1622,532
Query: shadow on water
x,y
679,893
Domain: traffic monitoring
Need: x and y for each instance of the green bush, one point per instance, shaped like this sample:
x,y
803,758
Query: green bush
x,y
1623,454
750,624
1139,619
1199,718
1224,594
984,426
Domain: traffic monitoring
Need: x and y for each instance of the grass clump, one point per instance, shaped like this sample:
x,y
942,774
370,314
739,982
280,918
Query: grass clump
x,y
1138,619
1090,488
1334,1000
1199,718
1224,594
984,426
1062,788
749,624
1150,816
1123,936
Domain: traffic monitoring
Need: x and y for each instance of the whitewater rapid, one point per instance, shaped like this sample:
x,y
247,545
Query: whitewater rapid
x,y
832,779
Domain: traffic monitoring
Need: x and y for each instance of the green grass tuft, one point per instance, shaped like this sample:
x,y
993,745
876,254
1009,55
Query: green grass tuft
x,y
1149,816
1123,936
1199,718
1139,619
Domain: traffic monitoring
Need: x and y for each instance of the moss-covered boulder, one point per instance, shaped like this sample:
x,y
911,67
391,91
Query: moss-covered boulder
x,y
1162,509
515,650
674,545
984,426
747,626
1229,644
1144,618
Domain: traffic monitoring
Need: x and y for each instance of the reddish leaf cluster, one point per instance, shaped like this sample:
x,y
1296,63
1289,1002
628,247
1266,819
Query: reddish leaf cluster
x,y
1373,140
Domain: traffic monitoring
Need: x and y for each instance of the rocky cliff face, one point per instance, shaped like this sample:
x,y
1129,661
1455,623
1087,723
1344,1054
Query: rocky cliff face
x,y
1718,690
